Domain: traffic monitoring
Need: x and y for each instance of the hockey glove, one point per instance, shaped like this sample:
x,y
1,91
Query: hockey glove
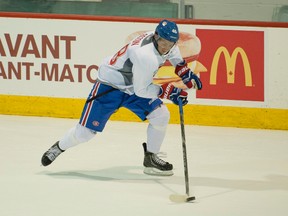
x,y
190,79
169,91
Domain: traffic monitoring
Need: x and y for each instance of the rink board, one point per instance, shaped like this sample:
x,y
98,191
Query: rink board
x,y
47,68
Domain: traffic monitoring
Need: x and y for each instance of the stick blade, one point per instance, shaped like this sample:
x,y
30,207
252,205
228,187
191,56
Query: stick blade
x,y
177,198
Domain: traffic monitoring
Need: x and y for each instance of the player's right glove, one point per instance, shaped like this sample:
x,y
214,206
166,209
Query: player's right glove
x,y
190,79
169,91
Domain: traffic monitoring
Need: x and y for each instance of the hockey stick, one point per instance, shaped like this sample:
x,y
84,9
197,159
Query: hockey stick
x,y
100,95
183,198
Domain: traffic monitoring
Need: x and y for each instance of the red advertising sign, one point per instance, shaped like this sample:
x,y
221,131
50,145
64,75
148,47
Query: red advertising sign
x,y
235,64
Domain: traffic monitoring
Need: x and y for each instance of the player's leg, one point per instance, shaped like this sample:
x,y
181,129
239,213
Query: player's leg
x,y
158,116
73,137
93,119
156,131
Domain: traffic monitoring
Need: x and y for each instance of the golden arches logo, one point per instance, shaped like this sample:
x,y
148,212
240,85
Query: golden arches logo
x,y
230,65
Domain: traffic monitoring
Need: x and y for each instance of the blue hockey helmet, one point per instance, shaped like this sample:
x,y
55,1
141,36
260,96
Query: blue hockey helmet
x,y
168,30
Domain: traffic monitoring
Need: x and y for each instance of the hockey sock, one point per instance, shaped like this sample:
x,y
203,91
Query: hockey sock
x,y
75,136
158,121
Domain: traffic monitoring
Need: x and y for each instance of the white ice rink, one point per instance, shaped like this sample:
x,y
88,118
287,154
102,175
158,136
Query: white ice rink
x,y
233,172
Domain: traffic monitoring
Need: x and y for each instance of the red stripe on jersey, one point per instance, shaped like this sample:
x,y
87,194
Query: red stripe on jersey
x,y
88,109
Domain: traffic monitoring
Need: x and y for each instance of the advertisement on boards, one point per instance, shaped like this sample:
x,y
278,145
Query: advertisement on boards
x,y
235,64
64,63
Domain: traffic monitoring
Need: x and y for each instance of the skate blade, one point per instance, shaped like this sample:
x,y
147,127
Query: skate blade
x,y
157,172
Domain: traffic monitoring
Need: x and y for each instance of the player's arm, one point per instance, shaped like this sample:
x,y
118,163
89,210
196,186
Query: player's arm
x,y
190,79
143,87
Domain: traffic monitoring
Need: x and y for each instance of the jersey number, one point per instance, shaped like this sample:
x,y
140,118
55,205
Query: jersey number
x,y
118,54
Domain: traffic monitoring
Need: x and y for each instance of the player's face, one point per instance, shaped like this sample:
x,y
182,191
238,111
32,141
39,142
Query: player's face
x,y
164,45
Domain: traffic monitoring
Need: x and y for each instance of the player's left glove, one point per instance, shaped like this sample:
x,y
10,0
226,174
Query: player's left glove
x,y
169,91
190,79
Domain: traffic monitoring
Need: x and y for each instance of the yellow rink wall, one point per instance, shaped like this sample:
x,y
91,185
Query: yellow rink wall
x,y
194,114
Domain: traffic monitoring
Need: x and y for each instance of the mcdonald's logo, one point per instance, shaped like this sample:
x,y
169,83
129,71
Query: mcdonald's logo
x,y
234,70
230,65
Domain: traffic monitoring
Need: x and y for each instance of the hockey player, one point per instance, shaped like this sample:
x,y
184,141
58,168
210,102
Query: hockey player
x,y
125,80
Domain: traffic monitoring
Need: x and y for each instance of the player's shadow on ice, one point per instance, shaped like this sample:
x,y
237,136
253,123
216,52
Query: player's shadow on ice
x,y
110,174
135,174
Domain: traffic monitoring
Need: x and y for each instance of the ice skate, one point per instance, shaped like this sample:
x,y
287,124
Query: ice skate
x,y
50,155
153,165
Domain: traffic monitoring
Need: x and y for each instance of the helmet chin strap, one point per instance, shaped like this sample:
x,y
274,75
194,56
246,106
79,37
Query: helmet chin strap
x,y
155,42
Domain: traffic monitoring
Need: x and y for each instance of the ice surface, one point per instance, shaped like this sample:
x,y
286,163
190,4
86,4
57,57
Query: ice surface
x,y
232,171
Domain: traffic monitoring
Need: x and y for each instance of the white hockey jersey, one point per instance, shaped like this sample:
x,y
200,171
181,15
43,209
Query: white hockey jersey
x,y
133,67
